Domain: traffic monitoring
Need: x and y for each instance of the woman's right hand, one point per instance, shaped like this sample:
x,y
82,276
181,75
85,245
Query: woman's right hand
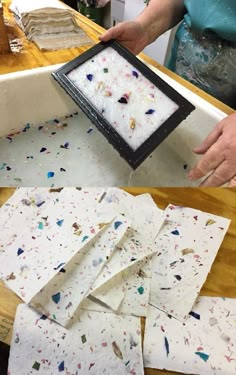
x,y
129,33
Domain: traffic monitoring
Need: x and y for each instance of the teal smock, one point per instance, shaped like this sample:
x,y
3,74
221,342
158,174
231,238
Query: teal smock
x,y
204,49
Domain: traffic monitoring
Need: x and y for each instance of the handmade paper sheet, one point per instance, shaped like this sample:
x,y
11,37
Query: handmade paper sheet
x,y
132,104
204,344
64,228
60,298
96,343
146,217
21,211
126,293
186,248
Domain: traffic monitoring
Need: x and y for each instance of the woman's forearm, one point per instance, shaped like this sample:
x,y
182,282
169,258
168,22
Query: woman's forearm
x,y
161,15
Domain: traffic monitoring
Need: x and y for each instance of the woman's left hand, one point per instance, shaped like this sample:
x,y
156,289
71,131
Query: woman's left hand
x,y
219,155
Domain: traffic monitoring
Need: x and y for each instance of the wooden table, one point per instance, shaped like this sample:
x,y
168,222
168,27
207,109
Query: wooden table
x,y
31,57
220,282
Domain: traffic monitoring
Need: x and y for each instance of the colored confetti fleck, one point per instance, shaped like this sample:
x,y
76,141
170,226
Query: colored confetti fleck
x,y
107,93
40,225
2,166
66,145
61,366
89,130
90,77
135,74
50,174
203,356
187,251
178,277
117,224
195,315
39,204
141,290
43,317
27,127
105,70
149,111
210,222
85,238
20,251
60,222
56,297
175,232
167,346
43,149
132,123
59,266
117,350
91,365
83,339
36,366
124,99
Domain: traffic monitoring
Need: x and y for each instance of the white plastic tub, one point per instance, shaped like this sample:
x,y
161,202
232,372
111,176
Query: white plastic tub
x,y
78,155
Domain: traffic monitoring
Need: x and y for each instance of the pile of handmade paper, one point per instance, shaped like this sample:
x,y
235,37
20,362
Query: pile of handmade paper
x,y
89,263
49,23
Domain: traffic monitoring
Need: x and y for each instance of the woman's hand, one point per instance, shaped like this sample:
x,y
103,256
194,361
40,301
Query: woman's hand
x,y
219,155
129,33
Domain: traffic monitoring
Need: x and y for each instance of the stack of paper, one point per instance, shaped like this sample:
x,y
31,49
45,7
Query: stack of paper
x,y
49,23
90,263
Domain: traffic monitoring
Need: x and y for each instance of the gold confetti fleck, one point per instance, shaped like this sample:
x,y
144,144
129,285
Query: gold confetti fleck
x,y
107,93
102,225
187,251
117,350
210,222
100,85
132,123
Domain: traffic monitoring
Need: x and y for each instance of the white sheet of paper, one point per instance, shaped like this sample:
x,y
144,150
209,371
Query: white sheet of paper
x,y
186,248
64,228
97,343
72,284
205,344
21,211
146,217
127,293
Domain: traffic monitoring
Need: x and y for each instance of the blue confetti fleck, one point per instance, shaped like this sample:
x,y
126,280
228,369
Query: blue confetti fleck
x,y
27,127
50,174
85,238
90,77
43,317
195,315
135,74
2,166
59,266
175,232
150,112
167,347
40,226
19,251
61,367
117,224
40,204
203,356
60,222
66,145
56,297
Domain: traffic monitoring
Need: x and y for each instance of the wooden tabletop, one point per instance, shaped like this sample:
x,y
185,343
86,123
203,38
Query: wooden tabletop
x,y
220,282
31,57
